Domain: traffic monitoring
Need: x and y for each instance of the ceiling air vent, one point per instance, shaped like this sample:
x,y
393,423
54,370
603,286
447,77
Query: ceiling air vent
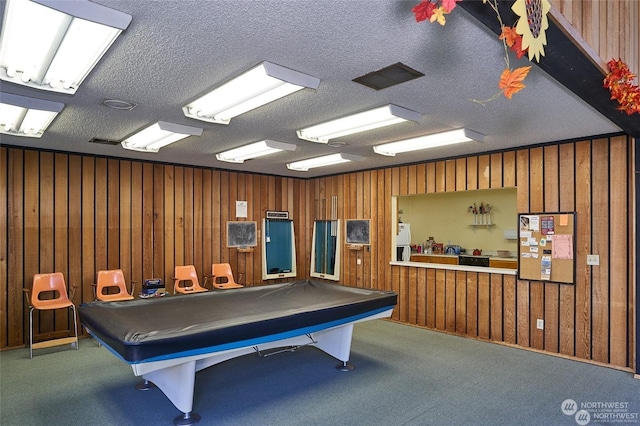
x,y
104,141
388,76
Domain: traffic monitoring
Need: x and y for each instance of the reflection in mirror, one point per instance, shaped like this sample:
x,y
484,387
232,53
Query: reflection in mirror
x,y
278,249
325,251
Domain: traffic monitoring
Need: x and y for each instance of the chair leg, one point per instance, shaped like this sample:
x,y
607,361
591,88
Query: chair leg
x,y
31,333
75,325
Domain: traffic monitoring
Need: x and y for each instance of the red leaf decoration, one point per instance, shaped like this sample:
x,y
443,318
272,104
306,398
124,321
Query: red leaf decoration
x,y
423,10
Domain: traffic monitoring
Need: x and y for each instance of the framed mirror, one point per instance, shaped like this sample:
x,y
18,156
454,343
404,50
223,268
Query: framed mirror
x,y
278,249
325,250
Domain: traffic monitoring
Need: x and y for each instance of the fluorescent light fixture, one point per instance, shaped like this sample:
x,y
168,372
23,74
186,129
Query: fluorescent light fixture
x,y
254,150
154,137
22,116
428,141
327,160
361,122
52,44
258,86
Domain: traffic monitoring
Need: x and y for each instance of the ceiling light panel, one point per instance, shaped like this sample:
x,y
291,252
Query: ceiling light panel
x,y
28,117
327,160
254,150
53,45
428,141
159,135
259,86
360,122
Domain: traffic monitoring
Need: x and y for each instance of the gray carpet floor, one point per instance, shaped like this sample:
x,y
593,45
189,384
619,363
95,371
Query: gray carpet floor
x,y
404,376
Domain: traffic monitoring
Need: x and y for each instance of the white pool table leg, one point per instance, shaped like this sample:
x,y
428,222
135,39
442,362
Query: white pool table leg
x,y
337,343
177,382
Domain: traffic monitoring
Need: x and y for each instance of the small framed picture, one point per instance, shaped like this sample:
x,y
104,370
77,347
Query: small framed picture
x,y
357,231
242,234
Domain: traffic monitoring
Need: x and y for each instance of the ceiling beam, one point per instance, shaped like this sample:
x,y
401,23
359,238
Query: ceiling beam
x,y
565,60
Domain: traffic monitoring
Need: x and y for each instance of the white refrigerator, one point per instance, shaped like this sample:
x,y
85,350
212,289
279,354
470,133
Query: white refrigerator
x,y
403,242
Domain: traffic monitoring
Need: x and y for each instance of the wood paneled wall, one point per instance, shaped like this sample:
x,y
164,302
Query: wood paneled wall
x,y
79,214
610,27
591,320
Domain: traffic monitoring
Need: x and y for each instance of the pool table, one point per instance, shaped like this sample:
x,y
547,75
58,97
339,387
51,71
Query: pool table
x,y
167,340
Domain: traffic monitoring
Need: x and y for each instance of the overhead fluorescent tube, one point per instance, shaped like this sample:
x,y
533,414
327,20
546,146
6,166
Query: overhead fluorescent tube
x,y
52,44
428,141
22,116
158,135
254,150
326,160
258,86
363,121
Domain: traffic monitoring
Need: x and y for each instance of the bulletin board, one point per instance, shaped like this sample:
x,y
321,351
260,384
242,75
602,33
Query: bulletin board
x,y
546,247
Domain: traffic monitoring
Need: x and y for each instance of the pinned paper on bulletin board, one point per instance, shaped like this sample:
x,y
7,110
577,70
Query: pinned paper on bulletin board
x,y
546,249
545,268
546,225
562,247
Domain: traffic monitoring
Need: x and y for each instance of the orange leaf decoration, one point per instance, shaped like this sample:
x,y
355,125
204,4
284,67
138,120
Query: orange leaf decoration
x,y
511,81
509,35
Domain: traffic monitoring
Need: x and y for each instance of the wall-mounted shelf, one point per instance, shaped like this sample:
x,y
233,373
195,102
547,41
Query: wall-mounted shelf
x,y
488,225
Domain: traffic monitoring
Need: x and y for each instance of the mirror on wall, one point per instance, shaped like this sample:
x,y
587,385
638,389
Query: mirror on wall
x,y
278,249
325,251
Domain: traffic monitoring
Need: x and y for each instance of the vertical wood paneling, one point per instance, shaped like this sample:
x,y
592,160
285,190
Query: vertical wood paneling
x,y
461,302
136,224
31,223
472,173
536,204
148,220
113,214
600,244
522,288
440,299
158,221
88,228
618,234
431,298
551,290
75,226
566,334
472,304
124,193
450,175
484,306
100,203
496,307
484,171
169,221
496,170
461,174
583,247
510,314
158,216
60,229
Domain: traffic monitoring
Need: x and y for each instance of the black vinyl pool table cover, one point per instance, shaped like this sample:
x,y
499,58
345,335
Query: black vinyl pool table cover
x,y
150,329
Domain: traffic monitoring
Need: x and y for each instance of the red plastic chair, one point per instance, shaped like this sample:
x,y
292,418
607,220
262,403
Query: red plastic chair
x,y
43,285
186,280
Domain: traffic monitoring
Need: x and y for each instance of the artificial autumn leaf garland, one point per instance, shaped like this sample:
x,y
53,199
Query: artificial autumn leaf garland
x,y
528,37
619,81
529,31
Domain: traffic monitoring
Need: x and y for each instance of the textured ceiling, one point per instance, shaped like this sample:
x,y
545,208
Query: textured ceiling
x,y
175,51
